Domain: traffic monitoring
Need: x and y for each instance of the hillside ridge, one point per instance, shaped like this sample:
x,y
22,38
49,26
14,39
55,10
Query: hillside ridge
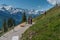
x,y
47,26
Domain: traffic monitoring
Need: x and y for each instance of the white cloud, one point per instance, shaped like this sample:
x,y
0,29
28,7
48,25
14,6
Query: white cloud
x,y
53,2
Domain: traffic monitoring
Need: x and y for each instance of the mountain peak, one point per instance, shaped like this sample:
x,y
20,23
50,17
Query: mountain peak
x,y
5,6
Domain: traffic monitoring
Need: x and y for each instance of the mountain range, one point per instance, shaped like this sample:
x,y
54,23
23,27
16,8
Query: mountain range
x,y
7,11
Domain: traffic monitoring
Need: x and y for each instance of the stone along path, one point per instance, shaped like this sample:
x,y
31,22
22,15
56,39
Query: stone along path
x,y
17,31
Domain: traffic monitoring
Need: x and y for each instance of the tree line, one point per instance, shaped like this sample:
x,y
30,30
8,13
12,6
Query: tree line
x,y
10,23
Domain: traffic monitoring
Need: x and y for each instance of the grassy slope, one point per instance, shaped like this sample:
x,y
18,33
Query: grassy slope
x,y
46,27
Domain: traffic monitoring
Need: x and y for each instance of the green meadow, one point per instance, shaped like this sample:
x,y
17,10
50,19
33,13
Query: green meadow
x,y
46,27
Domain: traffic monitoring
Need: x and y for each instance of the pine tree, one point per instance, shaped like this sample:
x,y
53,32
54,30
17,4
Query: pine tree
x,y
5,28
24,17
10,22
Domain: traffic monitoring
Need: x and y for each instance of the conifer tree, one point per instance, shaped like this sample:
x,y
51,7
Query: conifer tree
x,y
5,28
10,22
24,17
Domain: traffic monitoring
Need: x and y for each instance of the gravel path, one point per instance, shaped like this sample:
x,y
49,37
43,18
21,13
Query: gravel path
x,y
17,31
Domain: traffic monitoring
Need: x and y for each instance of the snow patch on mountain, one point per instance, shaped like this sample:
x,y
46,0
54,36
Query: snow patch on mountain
x,y
13,10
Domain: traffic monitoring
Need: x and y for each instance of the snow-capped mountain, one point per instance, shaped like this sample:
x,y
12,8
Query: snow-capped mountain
x,y
13,10
8,11
34,13
16,13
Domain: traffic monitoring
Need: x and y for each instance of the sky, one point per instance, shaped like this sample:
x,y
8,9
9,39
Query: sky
x,y
30,4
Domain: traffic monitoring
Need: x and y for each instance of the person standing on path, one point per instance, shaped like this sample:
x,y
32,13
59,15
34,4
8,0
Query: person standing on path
x,y
30,20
